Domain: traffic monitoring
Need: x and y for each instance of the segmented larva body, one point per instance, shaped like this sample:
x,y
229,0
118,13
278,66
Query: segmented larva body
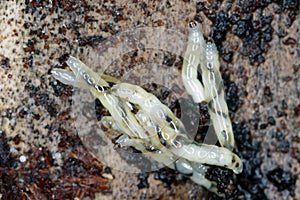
x,y
192,58
210,56
210,89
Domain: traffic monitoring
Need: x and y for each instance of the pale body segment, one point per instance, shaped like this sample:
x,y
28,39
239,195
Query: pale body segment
x,y
203,57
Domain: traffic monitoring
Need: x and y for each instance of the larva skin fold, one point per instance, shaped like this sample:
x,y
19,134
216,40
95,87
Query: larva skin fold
x,y
150,126
204,57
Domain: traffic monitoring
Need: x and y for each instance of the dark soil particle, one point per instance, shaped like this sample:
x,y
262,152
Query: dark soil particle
x,y
255,34
221,26
61,90
263,126
4,62
100,110
268,94
297,110
227,56
251,179
224,180
203,123
284,146
168,176
169,59
231,91
42,99
271,121
68,5
232,97
282,180
143,176
35,180
159,91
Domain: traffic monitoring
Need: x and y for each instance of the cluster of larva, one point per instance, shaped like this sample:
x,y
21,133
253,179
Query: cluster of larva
x,y
150,126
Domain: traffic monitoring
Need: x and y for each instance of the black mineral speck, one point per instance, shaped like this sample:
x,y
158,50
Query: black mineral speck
x,y
263,126
100,110
281,113
4,63
200,6
224,180
143,178
42,98
283,180
232,97
227,56
284,146
166,175
284,105
268,95
169,59
251,179
61,89
221,26
271,121
107,170
297,110
289,41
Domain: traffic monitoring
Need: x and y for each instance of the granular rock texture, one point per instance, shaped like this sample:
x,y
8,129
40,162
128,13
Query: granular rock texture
x,y
46,125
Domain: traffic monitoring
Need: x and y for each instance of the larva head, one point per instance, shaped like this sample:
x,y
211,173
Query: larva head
x,y
193,24
194,28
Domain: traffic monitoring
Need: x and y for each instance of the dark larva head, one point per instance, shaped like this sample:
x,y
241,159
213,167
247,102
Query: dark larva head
x,y
193,24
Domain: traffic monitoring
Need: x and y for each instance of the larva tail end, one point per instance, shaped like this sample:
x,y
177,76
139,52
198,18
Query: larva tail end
x,y
63,76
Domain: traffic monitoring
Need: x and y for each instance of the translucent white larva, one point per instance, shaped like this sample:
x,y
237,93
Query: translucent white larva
x,y
210,90
192,58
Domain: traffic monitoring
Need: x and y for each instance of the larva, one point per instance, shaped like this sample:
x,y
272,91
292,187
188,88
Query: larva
x,y
210,88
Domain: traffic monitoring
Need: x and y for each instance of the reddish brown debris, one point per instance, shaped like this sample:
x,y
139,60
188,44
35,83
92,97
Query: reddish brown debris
x,y
36,179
